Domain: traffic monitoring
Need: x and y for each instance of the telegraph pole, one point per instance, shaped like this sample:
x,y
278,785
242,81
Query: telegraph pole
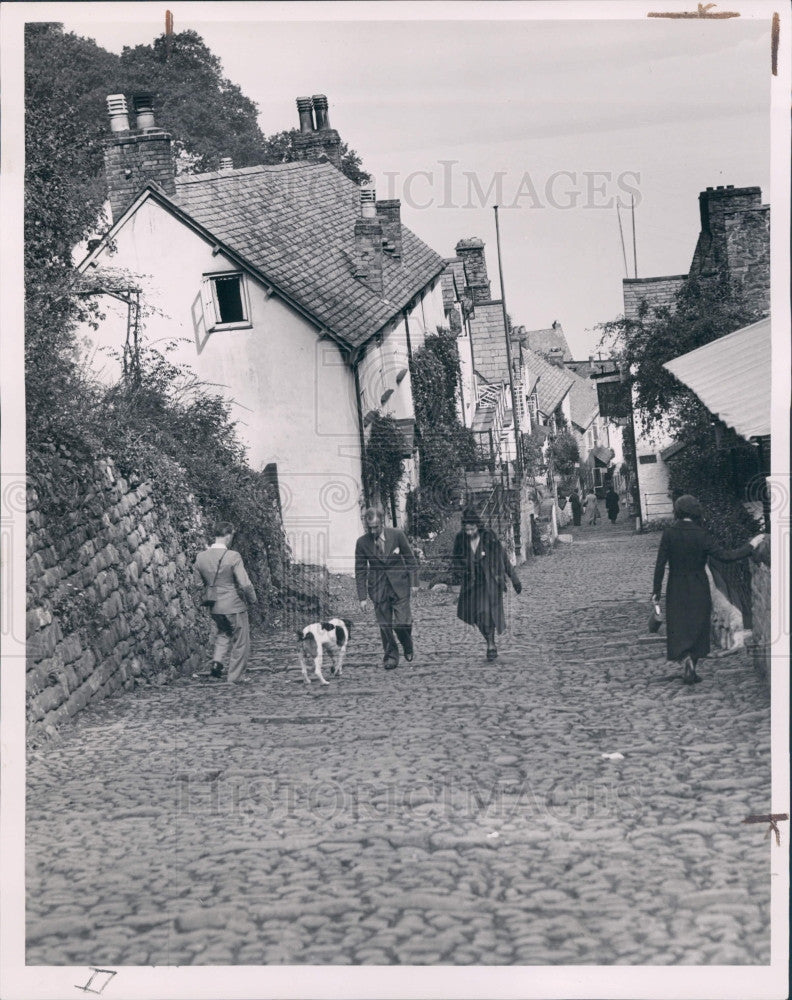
x,y
515,411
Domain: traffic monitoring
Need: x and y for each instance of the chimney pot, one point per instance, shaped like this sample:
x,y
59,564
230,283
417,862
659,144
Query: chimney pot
x,y
143,105
117,110
305,111
368,203
226,163
320,112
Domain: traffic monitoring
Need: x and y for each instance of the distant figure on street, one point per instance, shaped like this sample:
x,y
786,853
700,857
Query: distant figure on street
x,y
386,571
574,500
480,565
686,546
591,508
612,504
221,567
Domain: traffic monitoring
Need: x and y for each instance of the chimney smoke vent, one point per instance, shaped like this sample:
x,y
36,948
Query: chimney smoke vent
x,y
143,105
305,111
368,203
320,112
117,110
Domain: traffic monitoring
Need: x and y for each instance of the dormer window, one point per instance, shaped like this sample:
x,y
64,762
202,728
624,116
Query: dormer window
x,y
225,301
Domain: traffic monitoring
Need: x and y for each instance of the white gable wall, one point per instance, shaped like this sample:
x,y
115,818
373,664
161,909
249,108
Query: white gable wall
x,y
291,392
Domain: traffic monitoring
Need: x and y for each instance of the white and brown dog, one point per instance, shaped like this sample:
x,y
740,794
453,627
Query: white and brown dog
x,y
333,636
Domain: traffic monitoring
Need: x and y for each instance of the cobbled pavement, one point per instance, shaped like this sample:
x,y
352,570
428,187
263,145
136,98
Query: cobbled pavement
x,y
452,811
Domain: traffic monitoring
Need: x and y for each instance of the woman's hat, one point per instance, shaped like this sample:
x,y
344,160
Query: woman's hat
x,y
688,506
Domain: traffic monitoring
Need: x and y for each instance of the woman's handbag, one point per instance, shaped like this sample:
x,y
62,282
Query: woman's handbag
x,y
655,618
209,595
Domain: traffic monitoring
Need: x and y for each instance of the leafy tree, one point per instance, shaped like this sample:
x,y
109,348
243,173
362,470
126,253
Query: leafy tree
x,y
446,448
279,148
716,473
208,115
701,313
67,79
564,453
384,466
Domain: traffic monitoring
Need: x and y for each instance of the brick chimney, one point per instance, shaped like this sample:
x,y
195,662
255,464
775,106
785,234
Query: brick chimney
x,y
389,214
135,156
471,252
368,242
316,142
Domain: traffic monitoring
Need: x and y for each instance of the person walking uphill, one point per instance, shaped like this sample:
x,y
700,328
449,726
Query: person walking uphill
x,y
574,501
386,570
480,564
612,504
591,507
685,546
221,568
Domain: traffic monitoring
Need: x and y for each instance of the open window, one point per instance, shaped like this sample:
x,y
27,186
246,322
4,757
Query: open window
x,y
225,301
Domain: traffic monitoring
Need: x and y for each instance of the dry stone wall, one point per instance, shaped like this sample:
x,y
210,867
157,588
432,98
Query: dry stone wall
x,y
109,599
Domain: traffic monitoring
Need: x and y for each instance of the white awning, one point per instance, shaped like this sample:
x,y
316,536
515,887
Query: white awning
x,y
731,376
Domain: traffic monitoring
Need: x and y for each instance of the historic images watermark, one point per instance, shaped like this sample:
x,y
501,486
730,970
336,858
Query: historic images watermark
x,y
447,185
252,800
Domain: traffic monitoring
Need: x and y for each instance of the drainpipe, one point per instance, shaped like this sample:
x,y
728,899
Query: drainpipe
x,y
363,478
409,344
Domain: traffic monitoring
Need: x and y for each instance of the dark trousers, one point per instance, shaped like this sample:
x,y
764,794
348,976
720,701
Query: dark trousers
x,y
394,616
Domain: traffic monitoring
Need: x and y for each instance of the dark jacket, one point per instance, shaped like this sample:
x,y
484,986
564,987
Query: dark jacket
x,y
233,585
612,502
380,577
482,576
685,546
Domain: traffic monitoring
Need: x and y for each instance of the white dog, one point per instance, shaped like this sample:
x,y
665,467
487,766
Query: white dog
x,y
332,635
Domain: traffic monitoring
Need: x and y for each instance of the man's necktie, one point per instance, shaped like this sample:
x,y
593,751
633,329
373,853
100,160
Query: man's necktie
x,y
380,548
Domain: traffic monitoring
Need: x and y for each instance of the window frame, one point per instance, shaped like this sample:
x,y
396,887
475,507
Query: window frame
x,y
211,307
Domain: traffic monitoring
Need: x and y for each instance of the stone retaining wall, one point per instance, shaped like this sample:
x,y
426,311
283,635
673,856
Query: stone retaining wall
x,y
109,600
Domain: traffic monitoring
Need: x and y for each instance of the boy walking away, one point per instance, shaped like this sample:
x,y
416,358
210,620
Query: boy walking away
x,y
221,567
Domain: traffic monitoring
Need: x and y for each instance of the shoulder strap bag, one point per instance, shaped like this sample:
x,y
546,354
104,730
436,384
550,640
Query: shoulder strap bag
x,y
210,594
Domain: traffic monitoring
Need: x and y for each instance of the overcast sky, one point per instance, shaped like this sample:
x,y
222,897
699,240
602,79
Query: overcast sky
x,y
552,119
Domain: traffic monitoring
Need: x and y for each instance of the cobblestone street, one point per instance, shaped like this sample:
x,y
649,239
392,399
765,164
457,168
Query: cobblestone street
x,y
451,811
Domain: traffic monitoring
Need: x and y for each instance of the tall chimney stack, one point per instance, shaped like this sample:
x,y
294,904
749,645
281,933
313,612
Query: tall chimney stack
x,y
471,252
368,243
135,157
389,214
305,111
316,142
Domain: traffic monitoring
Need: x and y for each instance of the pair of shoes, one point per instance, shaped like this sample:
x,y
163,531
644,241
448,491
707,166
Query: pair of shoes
x,y
409,657
390,664
217,670
492,654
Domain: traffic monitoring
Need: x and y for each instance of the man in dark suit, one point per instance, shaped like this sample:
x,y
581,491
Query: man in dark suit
x,y
386,571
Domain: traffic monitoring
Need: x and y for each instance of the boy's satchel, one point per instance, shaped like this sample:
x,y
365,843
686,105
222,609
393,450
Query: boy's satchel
x,y
210,594
655,618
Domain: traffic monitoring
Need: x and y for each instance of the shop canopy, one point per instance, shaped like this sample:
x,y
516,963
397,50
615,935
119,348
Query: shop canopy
x,y
731,376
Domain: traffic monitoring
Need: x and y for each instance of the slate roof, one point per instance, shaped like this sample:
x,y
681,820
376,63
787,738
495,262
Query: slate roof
x,y
295,224
553,382
543,341
732,376
583,401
